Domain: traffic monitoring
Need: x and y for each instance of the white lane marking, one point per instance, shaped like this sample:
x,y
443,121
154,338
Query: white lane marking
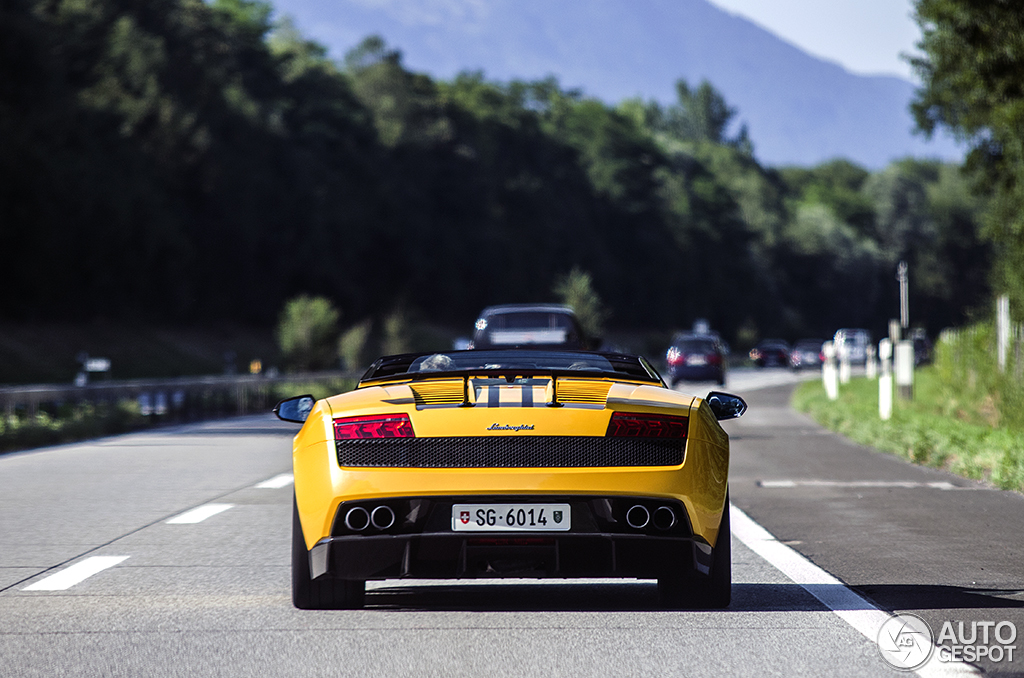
x,y
845,603
941,485
78,572
199,514
278,481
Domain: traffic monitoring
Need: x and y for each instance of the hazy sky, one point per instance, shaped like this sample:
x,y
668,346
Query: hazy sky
x,y
865,36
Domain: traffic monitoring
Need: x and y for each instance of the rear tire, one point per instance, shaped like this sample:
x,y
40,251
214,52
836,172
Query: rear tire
x,y
321,593
693,590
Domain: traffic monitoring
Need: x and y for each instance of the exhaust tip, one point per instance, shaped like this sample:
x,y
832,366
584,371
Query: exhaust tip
x,y
637,517
664,518
382,517
357,519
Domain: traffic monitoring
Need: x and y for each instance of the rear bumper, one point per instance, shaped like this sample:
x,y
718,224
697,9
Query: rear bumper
x,y
696,373
485,555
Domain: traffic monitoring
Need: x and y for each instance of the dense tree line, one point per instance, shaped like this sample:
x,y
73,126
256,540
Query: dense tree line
x,y
972,67
177,161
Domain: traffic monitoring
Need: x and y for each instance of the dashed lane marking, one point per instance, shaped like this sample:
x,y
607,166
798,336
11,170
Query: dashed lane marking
x,y
277,482
199,514
75,574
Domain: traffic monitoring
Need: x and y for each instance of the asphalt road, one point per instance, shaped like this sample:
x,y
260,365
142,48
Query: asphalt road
x,y
208,593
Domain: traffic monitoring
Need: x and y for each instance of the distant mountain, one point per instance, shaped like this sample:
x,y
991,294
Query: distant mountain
x,y
800,109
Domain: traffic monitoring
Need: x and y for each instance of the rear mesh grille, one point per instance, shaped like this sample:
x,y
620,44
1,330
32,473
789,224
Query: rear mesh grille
x,y
510,452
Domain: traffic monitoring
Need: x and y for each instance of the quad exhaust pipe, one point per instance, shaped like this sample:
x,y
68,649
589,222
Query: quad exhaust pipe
x,y
638,517
358,518
382,517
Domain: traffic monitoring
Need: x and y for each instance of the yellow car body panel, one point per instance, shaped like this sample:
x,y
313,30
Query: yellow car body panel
x,y
700,482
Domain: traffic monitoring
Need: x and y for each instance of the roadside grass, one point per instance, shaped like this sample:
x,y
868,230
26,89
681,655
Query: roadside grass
x,y
70,423
924,430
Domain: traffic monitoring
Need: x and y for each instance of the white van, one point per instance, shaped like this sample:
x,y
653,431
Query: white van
x,y
854,342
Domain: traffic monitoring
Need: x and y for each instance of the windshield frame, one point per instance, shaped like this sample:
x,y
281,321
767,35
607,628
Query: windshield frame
x,y
395,368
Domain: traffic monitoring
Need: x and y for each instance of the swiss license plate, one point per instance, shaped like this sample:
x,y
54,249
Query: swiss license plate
x,y
510,517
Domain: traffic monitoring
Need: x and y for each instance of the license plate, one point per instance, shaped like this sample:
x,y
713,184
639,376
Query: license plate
x,y
510,518
696,360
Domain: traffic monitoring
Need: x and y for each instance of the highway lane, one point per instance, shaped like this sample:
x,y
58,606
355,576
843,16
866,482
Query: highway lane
x,y
911,539
212,597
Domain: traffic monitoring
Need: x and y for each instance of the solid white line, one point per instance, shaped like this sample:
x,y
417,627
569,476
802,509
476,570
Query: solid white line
x,y
199,514
277,482
78,572
845,603
905,484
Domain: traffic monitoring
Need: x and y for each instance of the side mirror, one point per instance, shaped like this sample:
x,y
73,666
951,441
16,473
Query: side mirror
x,y
725,405
295,409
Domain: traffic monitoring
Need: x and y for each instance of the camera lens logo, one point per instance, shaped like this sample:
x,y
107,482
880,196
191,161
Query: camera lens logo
x,y
905,642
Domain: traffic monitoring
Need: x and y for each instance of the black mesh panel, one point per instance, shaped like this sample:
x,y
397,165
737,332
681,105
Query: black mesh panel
x,y
511,452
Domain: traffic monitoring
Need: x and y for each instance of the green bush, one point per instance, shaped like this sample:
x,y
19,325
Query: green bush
x,y
307,331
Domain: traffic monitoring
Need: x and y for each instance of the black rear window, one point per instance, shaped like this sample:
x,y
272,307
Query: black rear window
x,y
696,346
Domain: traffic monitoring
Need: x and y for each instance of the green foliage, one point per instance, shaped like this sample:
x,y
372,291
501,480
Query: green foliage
x,y
576,289
307,331
972,68
973,387
396,333
352,345
920,431
68,425
183,162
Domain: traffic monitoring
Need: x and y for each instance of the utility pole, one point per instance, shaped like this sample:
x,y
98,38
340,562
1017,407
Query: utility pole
x,y
904,366
901,275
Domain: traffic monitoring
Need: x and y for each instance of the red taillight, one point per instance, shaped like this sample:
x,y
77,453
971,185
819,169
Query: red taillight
x,y
714,359
375,426
674,356
628,425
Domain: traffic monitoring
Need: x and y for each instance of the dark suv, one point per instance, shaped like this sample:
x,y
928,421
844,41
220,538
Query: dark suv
x,y
529,326
696,357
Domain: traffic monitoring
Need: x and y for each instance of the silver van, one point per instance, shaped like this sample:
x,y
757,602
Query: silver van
x,y
854,343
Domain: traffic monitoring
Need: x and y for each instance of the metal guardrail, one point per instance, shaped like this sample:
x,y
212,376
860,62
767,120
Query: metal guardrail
x,y
181,398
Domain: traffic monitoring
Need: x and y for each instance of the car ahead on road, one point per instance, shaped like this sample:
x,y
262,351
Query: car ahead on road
x,y
807,353
695,357
770,353
529,326
511,463
852,343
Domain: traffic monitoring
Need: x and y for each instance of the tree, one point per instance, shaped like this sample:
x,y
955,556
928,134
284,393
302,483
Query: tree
x,y
972,71
576,289
307,332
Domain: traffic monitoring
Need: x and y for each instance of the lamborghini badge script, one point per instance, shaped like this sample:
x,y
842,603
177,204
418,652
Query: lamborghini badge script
x,y
508,427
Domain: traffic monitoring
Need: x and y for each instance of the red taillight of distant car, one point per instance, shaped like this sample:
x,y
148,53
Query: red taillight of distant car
x,y
376,426
674,356
714,359
628,425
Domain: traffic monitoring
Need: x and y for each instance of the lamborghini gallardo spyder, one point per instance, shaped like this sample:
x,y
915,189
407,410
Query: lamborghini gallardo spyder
x,y
511,463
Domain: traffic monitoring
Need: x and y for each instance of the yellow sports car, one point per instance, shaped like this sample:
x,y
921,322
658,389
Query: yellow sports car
x,y
511,463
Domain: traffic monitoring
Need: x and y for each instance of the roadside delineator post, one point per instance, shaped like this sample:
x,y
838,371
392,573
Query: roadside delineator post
x,y
845,370
1002,330
870,366
885,380
829,373
904,364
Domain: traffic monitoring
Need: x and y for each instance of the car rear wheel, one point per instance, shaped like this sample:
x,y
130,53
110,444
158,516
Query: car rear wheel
x,y
698,591
321,593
